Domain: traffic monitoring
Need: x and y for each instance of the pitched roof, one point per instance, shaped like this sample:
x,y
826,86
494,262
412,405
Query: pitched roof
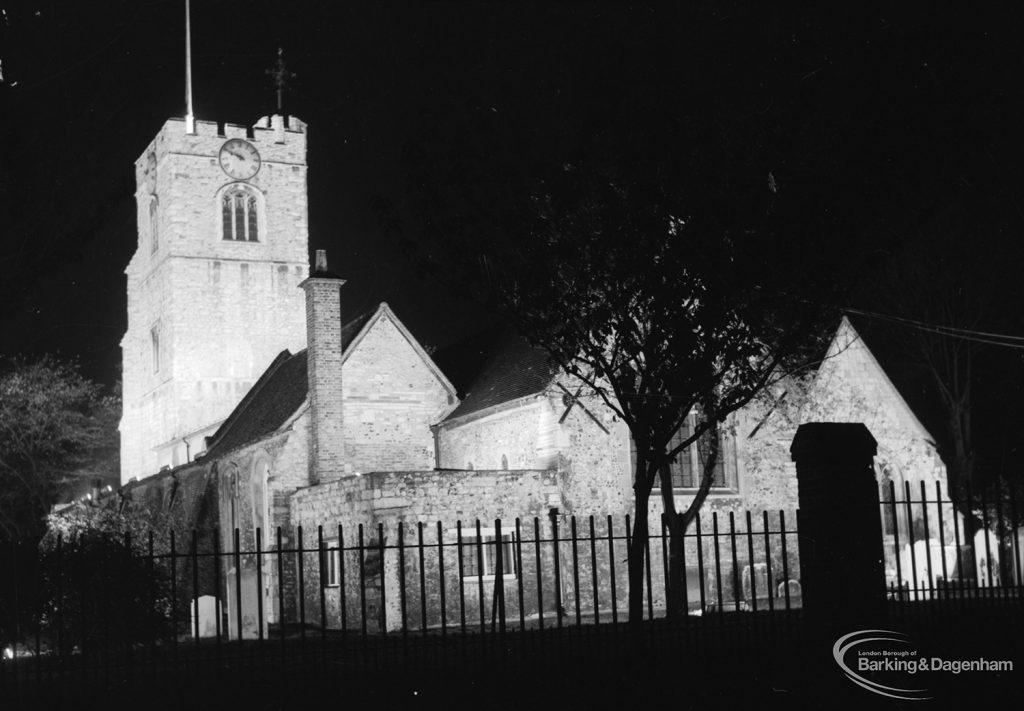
x,y
892,349
384,312
495,367
275,397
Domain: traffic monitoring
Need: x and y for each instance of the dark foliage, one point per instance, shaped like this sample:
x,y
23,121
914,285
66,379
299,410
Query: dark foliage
x,y
92,593
57,432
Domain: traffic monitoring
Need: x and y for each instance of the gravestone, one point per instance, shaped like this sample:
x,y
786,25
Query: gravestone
x,y
250,607
206,608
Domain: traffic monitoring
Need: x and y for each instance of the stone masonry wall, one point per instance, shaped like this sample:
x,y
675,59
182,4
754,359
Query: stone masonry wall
x,y
256,484
391,399
851,387
402,506
480,443
595,478
595,464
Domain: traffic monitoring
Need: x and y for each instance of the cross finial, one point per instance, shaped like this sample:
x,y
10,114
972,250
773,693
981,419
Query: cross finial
x,y
280,74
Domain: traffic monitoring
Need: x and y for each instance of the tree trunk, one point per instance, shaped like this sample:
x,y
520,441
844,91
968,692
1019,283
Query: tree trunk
x,y
676,574
636,552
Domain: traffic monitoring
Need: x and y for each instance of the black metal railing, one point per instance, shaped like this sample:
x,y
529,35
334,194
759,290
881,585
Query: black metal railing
x,y
95,592
938,548
101,608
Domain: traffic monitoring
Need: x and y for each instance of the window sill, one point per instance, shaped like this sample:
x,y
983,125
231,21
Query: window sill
x,y
474,579
719,491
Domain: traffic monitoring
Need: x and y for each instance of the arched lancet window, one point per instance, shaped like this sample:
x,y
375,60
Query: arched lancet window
x,y
260,512
154,344
240,214
894,514
154,235
231,484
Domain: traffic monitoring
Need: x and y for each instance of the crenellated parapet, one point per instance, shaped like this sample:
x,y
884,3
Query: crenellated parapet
x,y
280,139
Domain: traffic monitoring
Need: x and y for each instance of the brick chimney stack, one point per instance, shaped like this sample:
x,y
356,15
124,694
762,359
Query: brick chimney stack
x,y
323,356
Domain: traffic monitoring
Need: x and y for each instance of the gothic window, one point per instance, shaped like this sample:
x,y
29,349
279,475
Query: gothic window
x,y
154,235
894,514
688,467
250,210
232,497
260,513
240,220
154,341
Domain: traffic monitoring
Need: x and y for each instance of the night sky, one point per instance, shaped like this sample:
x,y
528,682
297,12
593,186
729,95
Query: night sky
x,y
902,115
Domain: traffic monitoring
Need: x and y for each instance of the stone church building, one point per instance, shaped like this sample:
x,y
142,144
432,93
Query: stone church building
x,y
249,405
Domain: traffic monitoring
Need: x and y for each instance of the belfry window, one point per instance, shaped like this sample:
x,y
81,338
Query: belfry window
x,y
240,215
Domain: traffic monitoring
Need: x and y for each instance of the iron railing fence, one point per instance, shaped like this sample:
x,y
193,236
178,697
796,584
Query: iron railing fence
x,y
96,591
98,605
938,548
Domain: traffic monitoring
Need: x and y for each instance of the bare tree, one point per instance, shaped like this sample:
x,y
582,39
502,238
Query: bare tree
x,y
670,243
657,292
56,428
942,303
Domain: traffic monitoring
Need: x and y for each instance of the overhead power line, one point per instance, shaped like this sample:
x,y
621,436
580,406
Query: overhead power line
x,y
988,337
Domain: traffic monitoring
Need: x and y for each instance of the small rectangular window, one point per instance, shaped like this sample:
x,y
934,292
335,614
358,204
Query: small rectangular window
x,y
329,563
484,551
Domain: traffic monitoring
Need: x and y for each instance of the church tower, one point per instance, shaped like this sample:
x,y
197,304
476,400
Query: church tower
x,y
213,291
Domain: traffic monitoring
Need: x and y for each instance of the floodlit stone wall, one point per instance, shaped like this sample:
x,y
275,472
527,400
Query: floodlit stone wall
x,y
852,387
256,484
207,315
391,398
592,463
384,502
517,433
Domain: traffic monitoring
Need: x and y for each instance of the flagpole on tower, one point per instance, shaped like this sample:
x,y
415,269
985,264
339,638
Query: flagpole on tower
x,y
190,120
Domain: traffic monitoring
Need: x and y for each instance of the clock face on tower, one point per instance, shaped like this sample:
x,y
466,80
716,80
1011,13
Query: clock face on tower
x,y
239,159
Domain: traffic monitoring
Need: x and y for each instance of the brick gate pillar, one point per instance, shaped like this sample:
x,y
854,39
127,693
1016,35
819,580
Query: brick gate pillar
x,y
840,527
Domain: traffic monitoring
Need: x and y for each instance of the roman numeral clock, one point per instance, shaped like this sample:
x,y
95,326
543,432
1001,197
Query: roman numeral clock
x,y
239,159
